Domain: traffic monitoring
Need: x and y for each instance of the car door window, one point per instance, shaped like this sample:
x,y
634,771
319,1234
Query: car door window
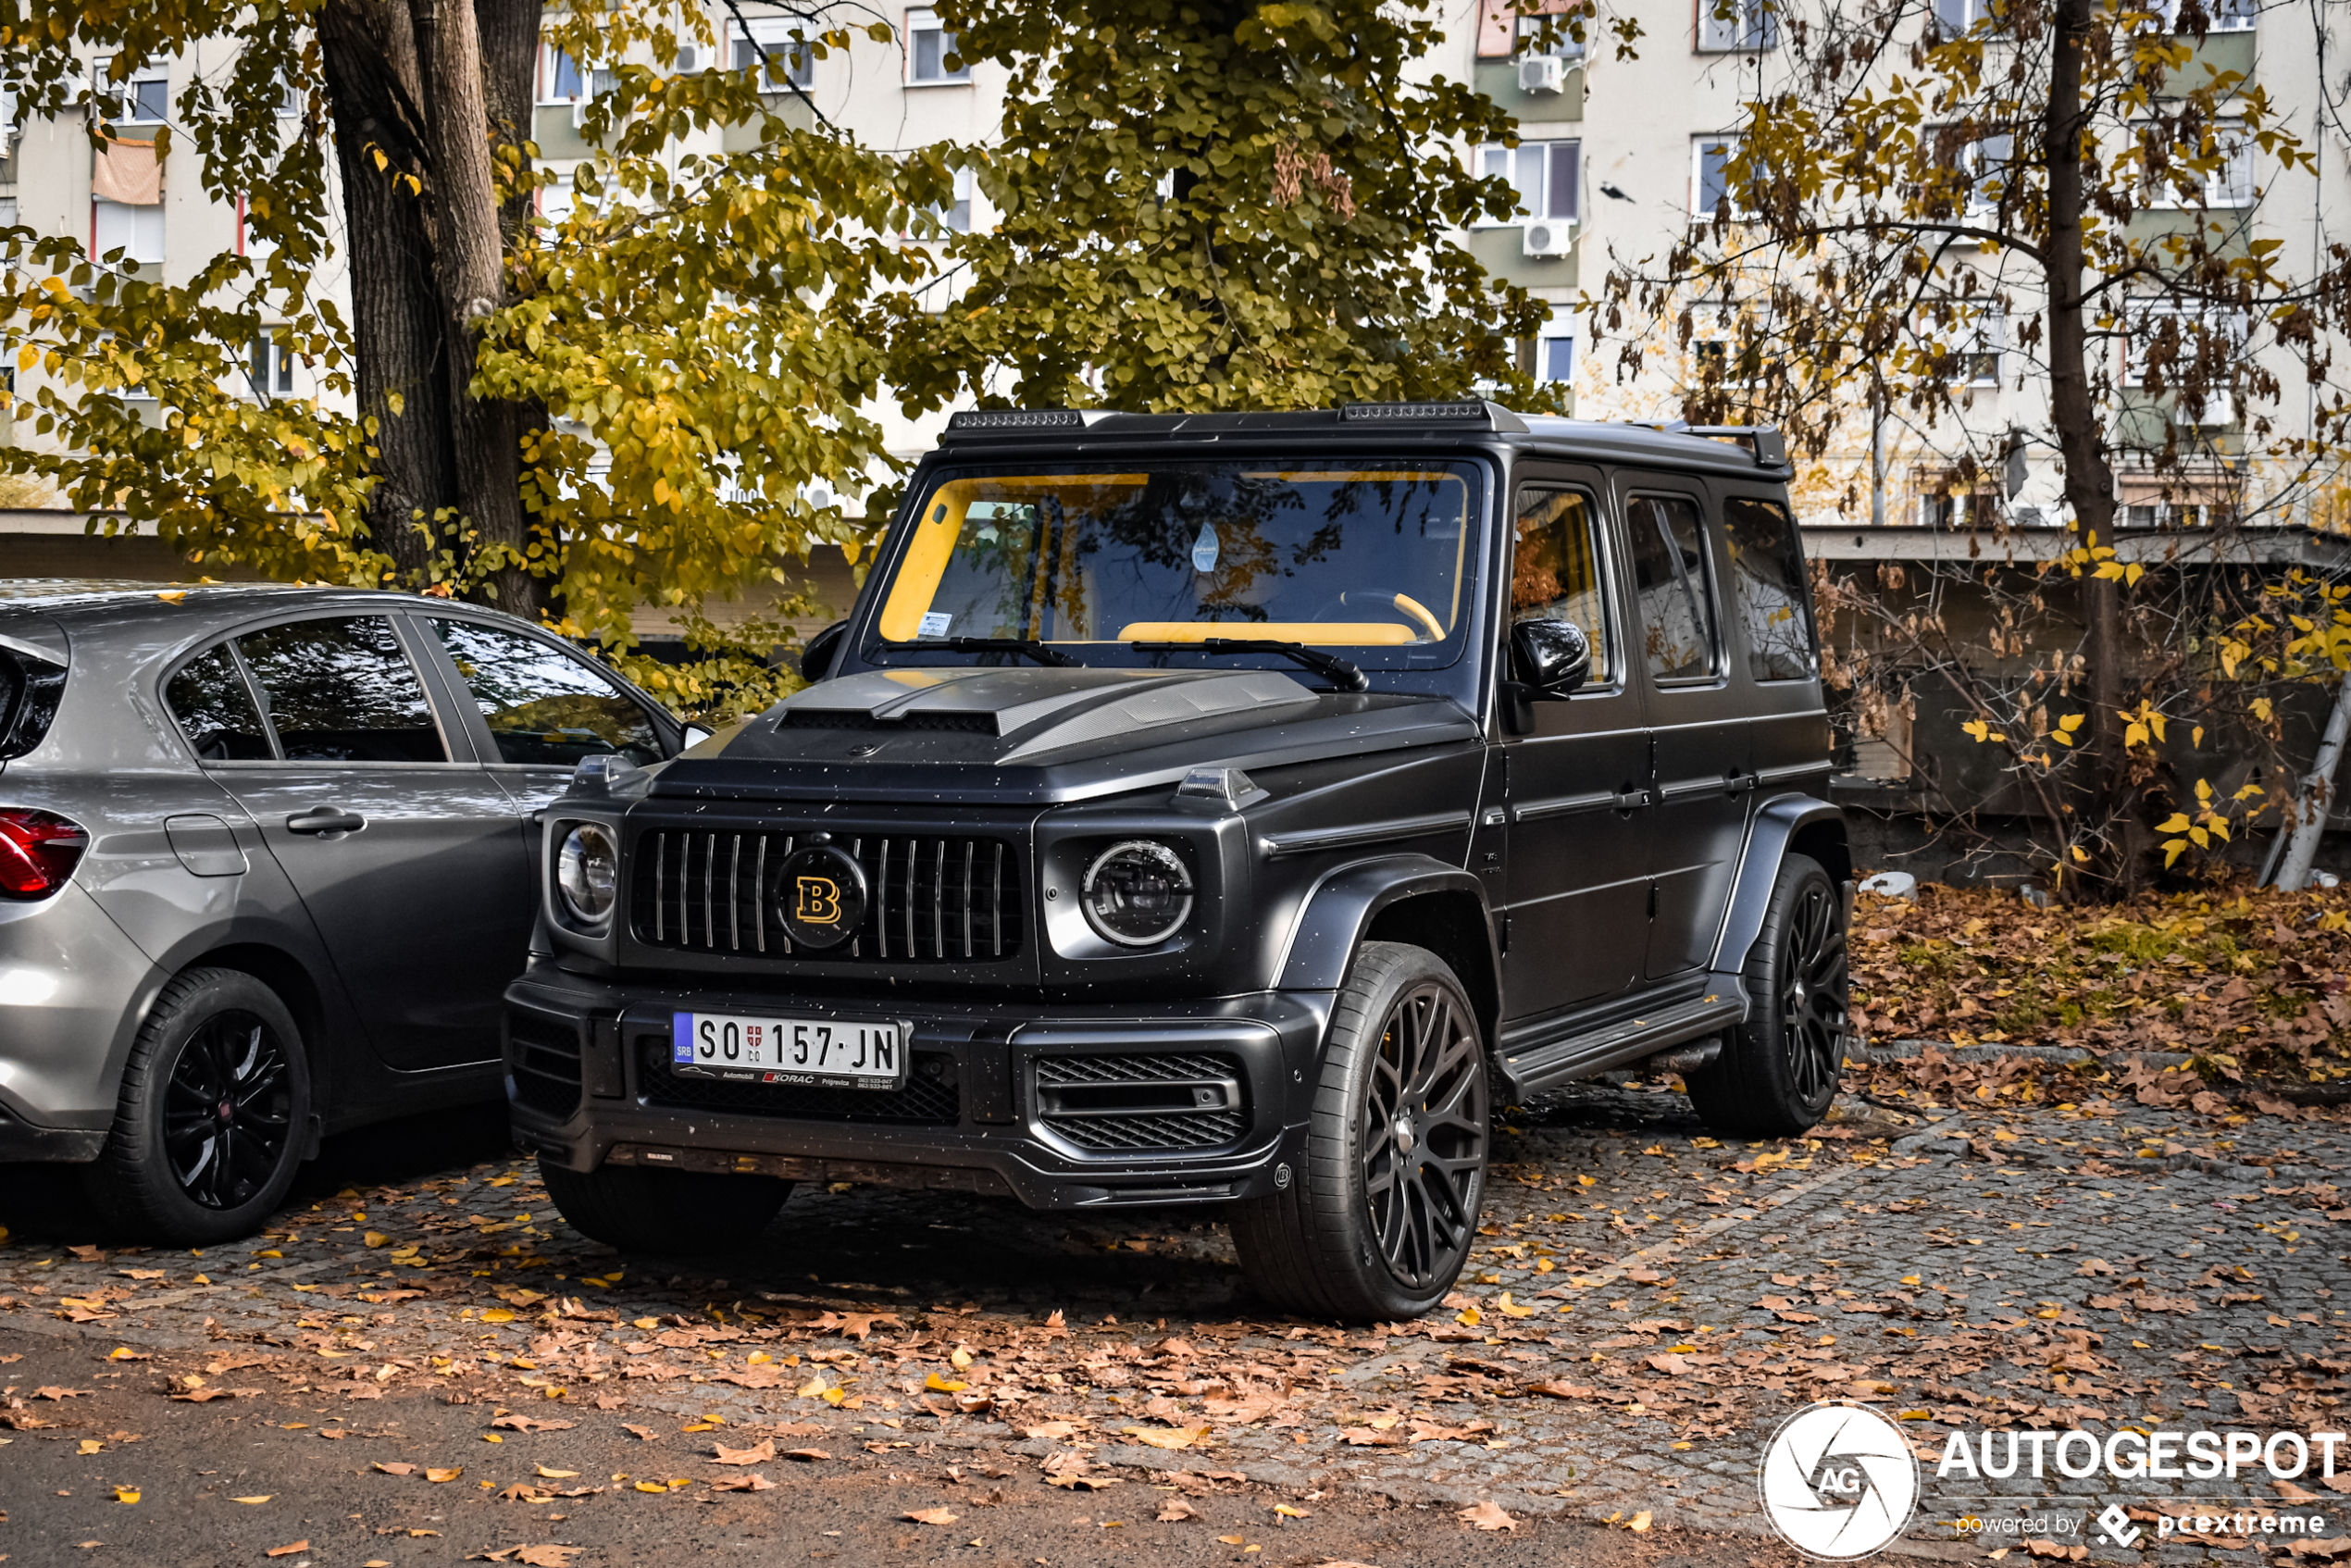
x,y
1767,588
212,705
343,691
1670,576
1555,571
544,705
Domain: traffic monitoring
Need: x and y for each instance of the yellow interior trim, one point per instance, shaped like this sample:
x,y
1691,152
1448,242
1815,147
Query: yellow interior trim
x,y
1413,607
943,528
1357,634
1340,476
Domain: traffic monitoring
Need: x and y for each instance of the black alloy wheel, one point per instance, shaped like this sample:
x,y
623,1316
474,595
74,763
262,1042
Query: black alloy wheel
x,y
1778,1073
1813,990
213,1117
228,1111
1423,1136
1373,1215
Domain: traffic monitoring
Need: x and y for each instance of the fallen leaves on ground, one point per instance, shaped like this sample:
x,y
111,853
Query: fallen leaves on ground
x,y
930,1516
1486,1515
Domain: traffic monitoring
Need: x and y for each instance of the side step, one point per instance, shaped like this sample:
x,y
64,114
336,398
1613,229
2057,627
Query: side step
x,y
1556,1062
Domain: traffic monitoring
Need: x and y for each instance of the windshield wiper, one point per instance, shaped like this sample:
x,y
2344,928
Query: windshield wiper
x,y
1043,652
1348,677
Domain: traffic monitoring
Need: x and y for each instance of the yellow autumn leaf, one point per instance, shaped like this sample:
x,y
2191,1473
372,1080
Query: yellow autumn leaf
x,y
126,1494
938,1385
812,1388
1468,1317
1511,1309
652,1487
375,1239
555,1475
961,1358
498,1314
1287,1511
450,1475
255,1501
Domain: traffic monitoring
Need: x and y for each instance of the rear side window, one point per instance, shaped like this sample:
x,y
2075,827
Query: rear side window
x,y
342,690
30,689
544,705
214,708
1669,575
1555,570
1767,589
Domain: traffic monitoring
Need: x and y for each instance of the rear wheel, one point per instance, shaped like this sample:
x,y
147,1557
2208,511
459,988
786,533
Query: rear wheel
x,y
665,1211
1380,1221
210,1122
1778,1073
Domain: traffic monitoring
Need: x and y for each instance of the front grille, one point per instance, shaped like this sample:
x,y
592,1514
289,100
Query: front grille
x,y
1116,1103
929,897
544,1057
931,1097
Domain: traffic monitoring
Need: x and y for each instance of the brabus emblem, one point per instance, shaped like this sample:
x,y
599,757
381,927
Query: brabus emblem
x,y
819,895
819,900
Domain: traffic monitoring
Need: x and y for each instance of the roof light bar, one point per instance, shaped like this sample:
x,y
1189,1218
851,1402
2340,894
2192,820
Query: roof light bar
x,y
1018,420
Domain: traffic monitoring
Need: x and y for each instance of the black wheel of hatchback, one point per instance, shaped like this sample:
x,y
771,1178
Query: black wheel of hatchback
x,y
213,1114
666,1212
1379,1221
1778,1073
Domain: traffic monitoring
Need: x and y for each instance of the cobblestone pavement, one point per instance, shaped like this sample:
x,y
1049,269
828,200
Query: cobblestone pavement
x,y
1647,1305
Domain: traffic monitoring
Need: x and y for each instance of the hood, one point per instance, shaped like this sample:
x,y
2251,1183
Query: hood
x,y
1043,733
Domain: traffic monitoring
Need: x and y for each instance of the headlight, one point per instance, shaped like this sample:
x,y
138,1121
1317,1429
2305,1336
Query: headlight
x,y
1138,893
587,873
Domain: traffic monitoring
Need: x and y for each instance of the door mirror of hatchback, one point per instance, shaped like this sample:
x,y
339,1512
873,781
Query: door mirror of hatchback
x,y
1553,656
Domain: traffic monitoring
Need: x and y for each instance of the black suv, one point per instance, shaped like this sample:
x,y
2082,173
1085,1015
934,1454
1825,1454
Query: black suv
x,y
1219,809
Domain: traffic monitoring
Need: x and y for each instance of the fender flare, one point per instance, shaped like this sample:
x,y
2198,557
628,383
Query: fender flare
x,y
1774,826
1342,906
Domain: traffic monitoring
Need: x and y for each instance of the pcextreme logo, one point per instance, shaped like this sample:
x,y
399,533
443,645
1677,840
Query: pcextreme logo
x,y
1838,1481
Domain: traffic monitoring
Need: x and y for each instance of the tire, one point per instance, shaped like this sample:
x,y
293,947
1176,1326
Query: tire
x,y
669,1213
1380,1221
212,1116
1778,1073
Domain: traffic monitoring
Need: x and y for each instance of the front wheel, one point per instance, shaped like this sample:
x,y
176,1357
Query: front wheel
x,y
212,1115
666,1213
1778,1072
1380,1221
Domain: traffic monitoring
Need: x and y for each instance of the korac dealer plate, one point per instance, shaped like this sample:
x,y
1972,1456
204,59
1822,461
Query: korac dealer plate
x,y
832,1052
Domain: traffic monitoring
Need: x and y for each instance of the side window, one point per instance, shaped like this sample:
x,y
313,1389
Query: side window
x,y
544,705
1555,570
1767,589
214,710
342,690
1670,576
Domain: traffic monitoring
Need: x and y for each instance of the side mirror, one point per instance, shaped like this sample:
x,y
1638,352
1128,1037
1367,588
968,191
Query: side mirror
x,y
816,657
1554,656
695,736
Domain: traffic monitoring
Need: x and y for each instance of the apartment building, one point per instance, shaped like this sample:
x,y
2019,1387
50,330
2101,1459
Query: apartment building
x,y
1616,157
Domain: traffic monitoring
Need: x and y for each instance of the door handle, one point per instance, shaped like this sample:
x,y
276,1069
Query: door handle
x,y
1738,783
1630,799
326,819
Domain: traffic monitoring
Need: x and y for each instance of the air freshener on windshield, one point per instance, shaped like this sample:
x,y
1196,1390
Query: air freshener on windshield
x,y
1204,550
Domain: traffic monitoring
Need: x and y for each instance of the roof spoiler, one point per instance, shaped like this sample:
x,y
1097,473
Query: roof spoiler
x,y
1766,440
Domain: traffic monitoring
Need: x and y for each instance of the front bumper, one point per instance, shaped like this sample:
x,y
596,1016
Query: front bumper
x,y
986,1108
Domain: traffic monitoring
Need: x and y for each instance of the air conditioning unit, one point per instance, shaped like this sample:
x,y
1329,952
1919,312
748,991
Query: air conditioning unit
x,y
2214,409
1548,237
1542,73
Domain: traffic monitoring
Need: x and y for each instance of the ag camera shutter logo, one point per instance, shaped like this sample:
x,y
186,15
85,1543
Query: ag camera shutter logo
x,y
1838,1481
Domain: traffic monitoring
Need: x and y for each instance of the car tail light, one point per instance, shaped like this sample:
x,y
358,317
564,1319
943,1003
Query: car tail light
x,y
38,851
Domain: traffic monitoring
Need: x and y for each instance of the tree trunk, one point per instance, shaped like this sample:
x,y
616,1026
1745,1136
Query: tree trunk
x,y
471,263
2089,481
509,81
373,92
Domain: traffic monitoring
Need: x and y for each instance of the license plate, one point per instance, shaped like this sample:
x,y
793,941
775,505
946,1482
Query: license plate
x,y
833,1052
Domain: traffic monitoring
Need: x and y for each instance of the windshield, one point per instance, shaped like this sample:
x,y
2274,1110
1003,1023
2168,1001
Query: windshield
x,y
1375,565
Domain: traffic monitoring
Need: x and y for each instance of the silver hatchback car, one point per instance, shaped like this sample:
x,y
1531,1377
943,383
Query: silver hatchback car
x,y
267,865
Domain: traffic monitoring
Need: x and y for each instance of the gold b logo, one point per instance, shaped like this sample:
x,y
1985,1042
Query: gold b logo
x,y
819,900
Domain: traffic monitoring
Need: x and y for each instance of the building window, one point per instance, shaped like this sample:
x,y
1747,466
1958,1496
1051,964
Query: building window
x,y
1548,177
1538,36
560,80
2170,183
1953,17
929,49
2177,20
142,98
1734,26
1943,509
790,61
1710,178
1970,353
250,243
273,367
2169,346
137,232
1555,358
1983,168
